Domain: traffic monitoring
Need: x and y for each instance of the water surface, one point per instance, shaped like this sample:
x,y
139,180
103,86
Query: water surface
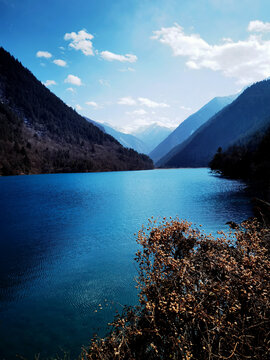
x,y
67,245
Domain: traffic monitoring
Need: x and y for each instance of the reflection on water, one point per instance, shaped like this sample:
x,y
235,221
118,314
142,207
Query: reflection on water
x,y
67,245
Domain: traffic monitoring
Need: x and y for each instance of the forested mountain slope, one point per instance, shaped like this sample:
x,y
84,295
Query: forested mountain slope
x,y
191,124
243,117
41,134
247,159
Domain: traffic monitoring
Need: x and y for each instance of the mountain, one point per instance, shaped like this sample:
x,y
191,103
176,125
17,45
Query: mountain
x,y
127,140
99,125
41,134
191,124
152,135
244,116
248,158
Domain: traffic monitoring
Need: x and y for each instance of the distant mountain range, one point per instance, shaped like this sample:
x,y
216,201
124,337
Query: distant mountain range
x,y
127,140
190,125
152,135
41,134
245,116
143,140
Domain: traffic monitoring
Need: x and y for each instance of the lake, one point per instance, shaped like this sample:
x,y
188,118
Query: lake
x,y
67,245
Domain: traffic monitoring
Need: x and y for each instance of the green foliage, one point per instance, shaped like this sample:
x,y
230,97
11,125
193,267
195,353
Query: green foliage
x,y
201,297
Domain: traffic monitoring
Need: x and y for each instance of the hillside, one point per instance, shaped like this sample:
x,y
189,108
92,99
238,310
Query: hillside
x,y
248,159
243,117
41,134
152,135
190,125
127,140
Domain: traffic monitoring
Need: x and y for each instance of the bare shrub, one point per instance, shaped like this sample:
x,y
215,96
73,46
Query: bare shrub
x,y
200,297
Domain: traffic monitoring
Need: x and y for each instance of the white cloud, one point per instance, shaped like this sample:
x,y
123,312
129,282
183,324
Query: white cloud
x,y
186,108
93,104
135,125
72,79
127,69
43,54
139,112
128,100
258,26
151,104
49,83
227,40
78,107
80,41
245,60
182,45
104,82
140,123
107,55
71,90
60,62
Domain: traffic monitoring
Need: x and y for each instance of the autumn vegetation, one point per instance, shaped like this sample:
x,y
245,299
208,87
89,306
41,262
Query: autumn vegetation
x,y
200,296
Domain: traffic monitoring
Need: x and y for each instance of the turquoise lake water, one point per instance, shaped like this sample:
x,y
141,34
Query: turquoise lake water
x,y
67,245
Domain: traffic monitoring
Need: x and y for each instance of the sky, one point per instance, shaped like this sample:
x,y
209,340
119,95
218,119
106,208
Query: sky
x,y
131,63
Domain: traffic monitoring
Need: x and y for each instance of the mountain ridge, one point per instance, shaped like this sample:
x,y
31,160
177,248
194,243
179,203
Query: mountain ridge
x,y
127,140
41,134
190,125
152,135
245,115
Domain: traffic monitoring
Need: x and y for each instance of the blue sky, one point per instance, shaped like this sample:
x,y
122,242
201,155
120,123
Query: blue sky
x,y
131,63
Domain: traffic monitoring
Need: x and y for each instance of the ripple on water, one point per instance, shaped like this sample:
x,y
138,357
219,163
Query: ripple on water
x,y
67,244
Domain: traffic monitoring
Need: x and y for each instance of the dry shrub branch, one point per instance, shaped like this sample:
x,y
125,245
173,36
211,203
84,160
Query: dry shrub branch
x,y
200,297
